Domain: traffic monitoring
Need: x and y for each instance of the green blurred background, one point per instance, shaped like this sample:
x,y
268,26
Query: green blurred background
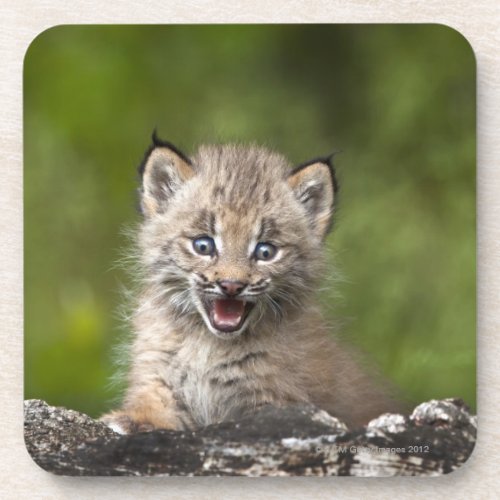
x,y
398,100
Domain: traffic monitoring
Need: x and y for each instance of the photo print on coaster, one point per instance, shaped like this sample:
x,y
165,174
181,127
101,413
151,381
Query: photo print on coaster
x,y
250,250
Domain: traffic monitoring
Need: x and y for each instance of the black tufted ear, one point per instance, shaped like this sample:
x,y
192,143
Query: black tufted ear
x,y
315,187
164,170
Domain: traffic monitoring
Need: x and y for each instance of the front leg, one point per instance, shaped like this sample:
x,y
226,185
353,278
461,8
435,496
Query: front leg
x,y
148,407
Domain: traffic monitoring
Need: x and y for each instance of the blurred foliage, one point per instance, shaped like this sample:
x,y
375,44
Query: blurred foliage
x,y
398,100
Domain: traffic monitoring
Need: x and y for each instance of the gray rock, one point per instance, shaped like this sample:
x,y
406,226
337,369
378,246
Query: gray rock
x,y
298,440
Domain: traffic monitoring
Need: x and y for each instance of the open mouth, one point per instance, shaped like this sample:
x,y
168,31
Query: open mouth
x,y
227,315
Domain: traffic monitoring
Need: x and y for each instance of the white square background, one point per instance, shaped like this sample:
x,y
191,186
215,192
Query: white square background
x,y
478,21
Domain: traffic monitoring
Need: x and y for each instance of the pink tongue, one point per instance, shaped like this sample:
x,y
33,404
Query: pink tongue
x,y
227,313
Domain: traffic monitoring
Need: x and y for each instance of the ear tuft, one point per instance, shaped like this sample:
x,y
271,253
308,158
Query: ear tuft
x,y
315,186
163,171
156,140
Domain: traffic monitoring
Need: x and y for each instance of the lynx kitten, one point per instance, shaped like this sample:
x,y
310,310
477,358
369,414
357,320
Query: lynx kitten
x,y
227,320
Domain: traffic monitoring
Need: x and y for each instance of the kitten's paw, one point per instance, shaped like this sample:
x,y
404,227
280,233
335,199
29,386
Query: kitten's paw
x,y
123,423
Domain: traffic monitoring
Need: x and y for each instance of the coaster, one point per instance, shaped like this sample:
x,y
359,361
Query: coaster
x,y
250,250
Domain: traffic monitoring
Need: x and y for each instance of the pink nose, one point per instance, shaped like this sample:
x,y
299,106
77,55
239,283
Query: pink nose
x,y
231,287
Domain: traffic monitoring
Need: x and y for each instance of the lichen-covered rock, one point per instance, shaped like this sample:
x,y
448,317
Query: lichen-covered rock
x,y
298,440
388,422
447,412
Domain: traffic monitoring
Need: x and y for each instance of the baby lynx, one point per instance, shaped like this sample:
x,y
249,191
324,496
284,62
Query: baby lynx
x,y
231,247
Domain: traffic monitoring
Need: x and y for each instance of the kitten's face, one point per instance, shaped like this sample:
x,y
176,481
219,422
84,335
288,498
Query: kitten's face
x,y
231,237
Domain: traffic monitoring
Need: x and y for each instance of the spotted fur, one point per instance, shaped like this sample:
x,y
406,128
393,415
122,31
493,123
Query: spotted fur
x,y
184,372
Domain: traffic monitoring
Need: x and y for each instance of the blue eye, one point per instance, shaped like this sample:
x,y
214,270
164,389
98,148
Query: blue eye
x,y
204,245
265,251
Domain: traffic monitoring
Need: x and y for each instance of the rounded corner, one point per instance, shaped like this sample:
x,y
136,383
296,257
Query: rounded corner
x,y
34,460
463,465
34,42
461,37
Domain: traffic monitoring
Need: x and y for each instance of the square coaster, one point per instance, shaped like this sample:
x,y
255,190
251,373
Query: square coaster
x,y
250,250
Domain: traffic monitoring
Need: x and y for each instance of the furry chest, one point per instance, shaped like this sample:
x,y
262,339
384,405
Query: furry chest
x,y
215,392
211,399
